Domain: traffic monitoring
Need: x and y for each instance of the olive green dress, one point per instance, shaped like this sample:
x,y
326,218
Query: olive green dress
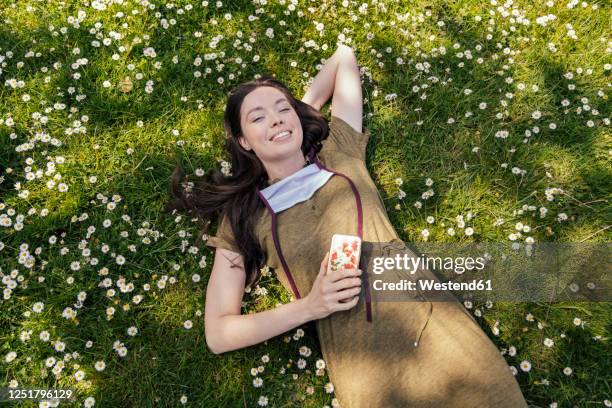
x,y
380,363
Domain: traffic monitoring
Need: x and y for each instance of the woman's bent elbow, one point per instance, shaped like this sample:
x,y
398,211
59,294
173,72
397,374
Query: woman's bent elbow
x,y
216,336
212,341
214,350
213,345
215,340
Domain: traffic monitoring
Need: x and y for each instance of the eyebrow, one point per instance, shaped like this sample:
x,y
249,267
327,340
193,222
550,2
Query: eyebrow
x,y
259,107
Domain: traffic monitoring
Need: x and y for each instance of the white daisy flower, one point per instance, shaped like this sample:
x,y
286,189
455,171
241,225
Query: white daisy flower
x,y
79,375
11,355
525,366
38,307
59,346
301,363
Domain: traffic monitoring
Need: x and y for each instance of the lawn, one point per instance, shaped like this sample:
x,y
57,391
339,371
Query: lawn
x,y
490,122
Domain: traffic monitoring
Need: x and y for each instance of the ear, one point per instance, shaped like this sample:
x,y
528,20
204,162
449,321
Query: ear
x,y
244,143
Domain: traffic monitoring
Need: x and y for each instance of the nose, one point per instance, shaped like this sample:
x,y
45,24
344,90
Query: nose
x,y
276,119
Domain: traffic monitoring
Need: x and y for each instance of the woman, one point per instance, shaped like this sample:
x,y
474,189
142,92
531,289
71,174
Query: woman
x,y
295,183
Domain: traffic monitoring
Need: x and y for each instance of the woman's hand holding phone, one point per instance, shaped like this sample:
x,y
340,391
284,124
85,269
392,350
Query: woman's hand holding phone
x,y
333,292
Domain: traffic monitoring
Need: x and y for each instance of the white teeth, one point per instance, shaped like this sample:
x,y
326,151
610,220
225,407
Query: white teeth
x,y
280,135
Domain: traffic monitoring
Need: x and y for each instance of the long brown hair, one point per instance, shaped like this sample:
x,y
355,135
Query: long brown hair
x,y
235,196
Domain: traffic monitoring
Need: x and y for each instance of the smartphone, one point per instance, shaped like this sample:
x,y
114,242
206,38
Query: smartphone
x,y
344,253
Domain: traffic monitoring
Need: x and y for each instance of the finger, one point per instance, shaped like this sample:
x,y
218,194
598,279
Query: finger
x,y
346,294
345,284
324,261
344,273
350,304
323,269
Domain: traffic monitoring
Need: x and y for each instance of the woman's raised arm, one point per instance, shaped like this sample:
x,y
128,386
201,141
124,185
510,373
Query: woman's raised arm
x,y
340,77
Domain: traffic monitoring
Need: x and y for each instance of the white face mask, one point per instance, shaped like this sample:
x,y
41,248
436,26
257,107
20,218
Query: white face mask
x,y
296,188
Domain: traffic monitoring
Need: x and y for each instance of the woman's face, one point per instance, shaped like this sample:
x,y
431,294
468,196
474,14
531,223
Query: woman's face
x,y
270,126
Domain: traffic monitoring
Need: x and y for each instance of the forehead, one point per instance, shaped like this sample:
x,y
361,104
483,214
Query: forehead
x,y
264,97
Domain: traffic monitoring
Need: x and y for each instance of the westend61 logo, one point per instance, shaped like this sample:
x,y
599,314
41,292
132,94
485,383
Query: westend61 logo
x,y
432,284
544,272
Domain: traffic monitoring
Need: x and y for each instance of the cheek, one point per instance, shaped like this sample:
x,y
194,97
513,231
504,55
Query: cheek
x,y
256,135
300,139
296,118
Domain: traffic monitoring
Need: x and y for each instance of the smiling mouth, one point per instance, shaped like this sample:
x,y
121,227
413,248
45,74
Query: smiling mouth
x,y
284,133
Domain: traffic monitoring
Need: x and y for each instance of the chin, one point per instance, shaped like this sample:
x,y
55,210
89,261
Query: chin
x,y
286,151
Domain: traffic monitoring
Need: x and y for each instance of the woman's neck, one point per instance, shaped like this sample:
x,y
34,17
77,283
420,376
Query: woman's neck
x,y
281,169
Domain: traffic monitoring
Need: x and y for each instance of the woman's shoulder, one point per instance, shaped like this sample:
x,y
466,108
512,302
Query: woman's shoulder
x,y
346,139
341,124
262,227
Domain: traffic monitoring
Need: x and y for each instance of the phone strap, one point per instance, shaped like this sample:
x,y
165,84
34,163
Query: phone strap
x,y
276,200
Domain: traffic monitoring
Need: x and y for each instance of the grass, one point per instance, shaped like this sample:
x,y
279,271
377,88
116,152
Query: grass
x,y
131,141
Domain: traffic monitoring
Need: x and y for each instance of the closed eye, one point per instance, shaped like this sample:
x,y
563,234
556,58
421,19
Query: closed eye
x,y
260,117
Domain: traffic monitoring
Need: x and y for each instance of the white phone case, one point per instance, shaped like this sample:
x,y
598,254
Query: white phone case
x,y
344,253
